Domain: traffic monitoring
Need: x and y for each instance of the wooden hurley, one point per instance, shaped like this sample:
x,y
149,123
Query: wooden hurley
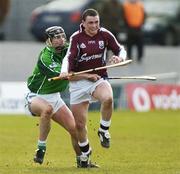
x,y
126,62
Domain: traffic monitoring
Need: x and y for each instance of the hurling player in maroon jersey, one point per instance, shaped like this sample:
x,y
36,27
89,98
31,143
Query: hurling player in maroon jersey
x,y
87,50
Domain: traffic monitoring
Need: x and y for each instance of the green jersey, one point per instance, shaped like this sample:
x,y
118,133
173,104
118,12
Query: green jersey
x,y
48,66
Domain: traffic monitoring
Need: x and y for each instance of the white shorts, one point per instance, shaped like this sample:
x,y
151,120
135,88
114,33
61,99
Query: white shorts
x,y
54,100
81,90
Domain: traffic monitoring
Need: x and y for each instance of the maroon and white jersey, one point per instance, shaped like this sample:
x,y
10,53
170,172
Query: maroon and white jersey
x,y
86,52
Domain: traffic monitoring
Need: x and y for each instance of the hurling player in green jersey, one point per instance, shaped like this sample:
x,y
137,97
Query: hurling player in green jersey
x,y
44,99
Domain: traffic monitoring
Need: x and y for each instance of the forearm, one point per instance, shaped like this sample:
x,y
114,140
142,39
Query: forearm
x,y
122,56
78,77
84,76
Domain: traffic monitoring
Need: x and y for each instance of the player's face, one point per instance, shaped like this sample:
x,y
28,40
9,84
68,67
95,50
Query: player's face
x,y
91,25
58,42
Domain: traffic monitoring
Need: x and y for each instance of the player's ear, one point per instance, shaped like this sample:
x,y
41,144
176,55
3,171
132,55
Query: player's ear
x,y
83,23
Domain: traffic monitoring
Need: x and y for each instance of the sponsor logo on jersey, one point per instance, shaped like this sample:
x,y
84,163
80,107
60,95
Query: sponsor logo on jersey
x,y
86,58
101,44
82,45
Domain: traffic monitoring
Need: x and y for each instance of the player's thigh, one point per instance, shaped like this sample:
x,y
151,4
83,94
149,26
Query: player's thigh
x,y
103,92
64,117
80,112
39,105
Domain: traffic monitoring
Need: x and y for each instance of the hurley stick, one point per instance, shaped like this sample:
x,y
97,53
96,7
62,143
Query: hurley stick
x,y
91,70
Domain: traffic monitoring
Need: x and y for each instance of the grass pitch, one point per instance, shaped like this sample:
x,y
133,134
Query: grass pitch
x,y
142,143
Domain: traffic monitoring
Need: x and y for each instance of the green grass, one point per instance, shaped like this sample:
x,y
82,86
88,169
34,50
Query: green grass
x,y
142,143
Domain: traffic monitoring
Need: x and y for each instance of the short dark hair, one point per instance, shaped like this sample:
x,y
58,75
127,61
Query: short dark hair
x,y
89,12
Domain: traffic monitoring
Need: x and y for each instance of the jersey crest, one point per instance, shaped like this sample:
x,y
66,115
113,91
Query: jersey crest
x,y
101,44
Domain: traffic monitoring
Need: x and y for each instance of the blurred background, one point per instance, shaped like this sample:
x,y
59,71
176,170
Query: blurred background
x,y
25,20
22,25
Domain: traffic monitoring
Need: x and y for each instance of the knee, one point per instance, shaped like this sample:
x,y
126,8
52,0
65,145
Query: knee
x,y
72,131
108,100
80,126
47,112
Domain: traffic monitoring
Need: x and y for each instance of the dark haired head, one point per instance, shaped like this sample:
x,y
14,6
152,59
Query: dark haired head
x,y
54,31
89,12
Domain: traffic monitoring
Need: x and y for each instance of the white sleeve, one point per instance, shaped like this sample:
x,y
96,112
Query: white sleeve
x,y
64,67
123,53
